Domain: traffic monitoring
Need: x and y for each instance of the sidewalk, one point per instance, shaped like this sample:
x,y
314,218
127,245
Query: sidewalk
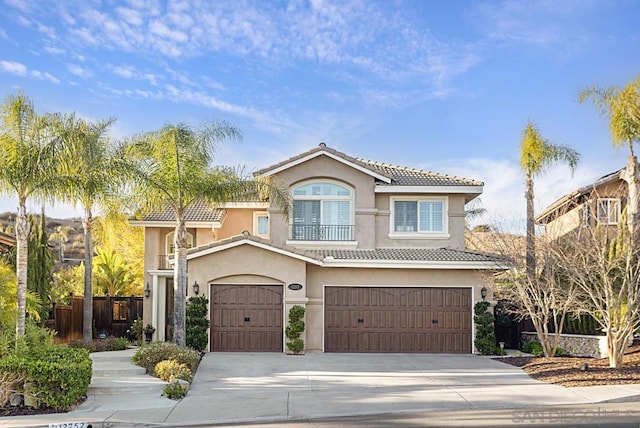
x,y
253,388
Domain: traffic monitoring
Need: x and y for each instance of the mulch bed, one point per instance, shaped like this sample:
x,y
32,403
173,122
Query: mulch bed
x,y
567,371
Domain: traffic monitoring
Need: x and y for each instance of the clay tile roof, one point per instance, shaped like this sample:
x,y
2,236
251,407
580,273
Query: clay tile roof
x,y
404,176
410,254
198,211
400,176
247,236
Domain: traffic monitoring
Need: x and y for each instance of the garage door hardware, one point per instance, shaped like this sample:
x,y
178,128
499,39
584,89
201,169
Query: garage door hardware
x,y
434,321
247,319
360,319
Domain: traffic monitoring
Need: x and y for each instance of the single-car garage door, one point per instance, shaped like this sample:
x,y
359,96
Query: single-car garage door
x,y
246,318
390,319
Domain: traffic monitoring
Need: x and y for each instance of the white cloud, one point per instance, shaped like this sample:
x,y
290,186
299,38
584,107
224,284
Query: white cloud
x,y
54,51
44,76
13,68
130,16
3,34
21,5
79,71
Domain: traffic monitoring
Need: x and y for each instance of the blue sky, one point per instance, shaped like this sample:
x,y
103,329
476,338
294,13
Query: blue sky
x,y
436,85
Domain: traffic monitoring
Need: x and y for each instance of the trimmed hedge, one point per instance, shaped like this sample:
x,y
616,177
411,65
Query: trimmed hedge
x,y
58,378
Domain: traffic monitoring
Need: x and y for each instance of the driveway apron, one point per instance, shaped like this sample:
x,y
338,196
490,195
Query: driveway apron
x,y
233,387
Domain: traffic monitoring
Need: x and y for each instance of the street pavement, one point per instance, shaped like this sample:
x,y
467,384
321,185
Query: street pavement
x,y
235,388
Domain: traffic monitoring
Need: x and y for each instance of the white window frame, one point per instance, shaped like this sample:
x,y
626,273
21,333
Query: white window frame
x,y
444,233
608,202
256,216
332,198
169,241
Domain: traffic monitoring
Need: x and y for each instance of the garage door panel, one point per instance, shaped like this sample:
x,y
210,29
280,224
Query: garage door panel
x,y
246,318
390,319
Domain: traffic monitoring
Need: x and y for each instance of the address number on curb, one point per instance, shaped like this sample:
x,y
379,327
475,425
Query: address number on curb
x,y
71,425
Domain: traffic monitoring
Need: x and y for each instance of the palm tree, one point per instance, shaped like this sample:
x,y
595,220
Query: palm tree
x,y
536,154
91,174
27,169
172,168
622,107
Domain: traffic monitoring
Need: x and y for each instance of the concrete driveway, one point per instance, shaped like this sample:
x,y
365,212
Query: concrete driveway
x,y
234,387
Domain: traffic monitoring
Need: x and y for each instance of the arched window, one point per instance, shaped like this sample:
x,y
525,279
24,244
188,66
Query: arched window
x,y
322,211
169,242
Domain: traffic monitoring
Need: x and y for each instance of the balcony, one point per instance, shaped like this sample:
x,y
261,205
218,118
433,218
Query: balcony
x,y
319,232
163,262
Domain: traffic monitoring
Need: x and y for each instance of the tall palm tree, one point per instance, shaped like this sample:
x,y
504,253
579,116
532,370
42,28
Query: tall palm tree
x,y
27,169
173,170
537,154
622,107
91,173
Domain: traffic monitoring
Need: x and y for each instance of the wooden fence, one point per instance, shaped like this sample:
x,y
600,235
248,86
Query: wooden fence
x,y
112,316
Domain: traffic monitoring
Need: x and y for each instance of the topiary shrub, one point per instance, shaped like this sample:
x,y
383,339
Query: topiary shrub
x,y
168,370
485,332
148,356
196,323
295,329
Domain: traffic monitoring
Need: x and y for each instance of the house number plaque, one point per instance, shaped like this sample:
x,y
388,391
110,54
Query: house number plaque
x,y
295,286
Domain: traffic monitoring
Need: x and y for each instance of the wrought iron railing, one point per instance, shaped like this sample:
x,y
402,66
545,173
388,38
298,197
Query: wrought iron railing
x,y
163,262
318,232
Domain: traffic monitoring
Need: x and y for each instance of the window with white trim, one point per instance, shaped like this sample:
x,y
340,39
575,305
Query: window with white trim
x,y
261,224
608,210
420,215
169,246
322,211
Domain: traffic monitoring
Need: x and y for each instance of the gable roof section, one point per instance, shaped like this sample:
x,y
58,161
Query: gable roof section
x,y
385,174
434,258
323,150
570,200
197,212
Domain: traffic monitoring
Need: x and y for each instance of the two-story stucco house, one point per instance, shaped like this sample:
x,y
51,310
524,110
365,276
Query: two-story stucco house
x,y
374,252
599,203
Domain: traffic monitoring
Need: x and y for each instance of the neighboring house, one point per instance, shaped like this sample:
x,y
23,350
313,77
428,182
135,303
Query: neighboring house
x,y
374,252
7,242
599,203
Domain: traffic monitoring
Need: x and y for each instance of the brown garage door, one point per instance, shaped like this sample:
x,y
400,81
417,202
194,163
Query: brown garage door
x,y
246,318
367,319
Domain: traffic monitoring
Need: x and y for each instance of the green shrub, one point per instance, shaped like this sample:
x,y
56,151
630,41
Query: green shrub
x,y
294,330
535,348
174,390
148,356
485,332
111,343
168,370
196,323
136,329
58,378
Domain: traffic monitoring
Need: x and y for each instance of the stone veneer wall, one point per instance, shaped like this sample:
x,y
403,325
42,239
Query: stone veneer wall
x,y
576,345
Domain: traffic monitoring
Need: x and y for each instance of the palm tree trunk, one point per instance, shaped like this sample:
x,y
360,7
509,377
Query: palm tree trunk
x,y
87,303
180,282
22,243
632,176
531,231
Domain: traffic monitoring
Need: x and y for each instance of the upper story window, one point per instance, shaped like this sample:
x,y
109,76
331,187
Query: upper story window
x,y
608,210
261,224
419,216
322,211
169,246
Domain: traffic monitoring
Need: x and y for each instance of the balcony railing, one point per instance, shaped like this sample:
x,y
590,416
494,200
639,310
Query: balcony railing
x,y
163,262
318,232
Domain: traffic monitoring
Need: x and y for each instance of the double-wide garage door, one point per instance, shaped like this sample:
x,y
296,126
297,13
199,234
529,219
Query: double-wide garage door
x,y
246,318
390,319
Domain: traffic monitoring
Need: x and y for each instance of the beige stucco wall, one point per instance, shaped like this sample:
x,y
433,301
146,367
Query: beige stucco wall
x,y
236,221
455,215
323,167
569,220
